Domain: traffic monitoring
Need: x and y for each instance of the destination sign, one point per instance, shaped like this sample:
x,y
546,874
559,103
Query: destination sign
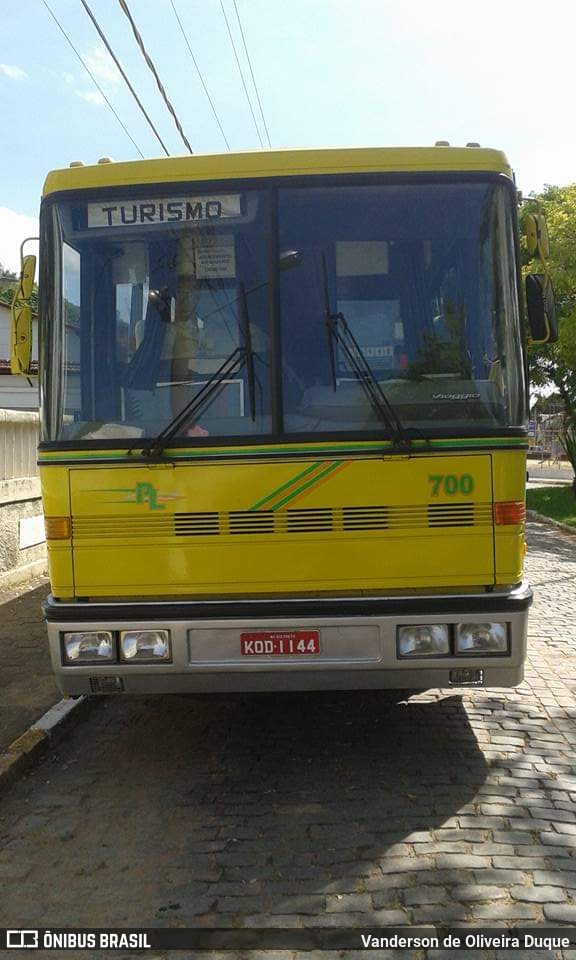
x,y
130,213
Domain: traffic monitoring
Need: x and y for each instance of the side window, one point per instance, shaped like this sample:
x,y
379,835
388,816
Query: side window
x,y
71,341
509,371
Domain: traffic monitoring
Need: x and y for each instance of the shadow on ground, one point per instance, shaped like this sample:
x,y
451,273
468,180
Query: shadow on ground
x,y
27,688
239,809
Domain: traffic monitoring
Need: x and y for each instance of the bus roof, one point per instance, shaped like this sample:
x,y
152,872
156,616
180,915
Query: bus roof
x,y
278,163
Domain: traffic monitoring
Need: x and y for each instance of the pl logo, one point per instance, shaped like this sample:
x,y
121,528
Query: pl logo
x,y
143,493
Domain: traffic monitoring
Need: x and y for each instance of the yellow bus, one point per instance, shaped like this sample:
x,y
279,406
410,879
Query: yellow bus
x,y
284,421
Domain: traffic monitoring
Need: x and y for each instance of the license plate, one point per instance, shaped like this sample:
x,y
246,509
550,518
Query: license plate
x,y
280,643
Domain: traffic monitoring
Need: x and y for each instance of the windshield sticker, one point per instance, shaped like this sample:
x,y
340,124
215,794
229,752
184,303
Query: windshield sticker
x,y
378,332
127,213
361,258
215,256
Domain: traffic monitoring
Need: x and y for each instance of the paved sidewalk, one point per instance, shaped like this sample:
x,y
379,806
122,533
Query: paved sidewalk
x,y
550,471
27,688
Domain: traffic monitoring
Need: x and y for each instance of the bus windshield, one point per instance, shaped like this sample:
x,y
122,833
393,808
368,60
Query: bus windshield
x,y
149,295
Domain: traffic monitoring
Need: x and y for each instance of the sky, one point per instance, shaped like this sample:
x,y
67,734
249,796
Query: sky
x,y
329,73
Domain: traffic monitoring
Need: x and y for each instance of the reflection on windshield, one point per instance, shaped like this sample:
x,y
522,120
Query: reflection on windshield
x,y
424,274
157,314
426,279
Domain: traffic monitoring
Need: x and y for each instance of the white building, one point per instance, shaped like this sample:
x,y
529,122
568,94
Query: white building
x,y
22,538
16,392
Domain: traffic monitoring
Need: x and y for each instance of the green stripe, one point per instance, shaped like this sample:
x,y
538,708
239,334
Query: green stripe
x,y
244,452
284,486
311,483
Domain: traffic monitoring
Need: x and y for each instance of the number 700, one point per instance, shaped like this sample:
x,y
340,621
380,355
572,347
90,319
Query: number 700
x,y
449,483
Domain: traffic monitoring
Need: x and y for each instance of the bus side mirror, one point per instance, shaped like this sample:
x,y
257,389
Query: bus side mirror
x,y
541,309
537,239
21,319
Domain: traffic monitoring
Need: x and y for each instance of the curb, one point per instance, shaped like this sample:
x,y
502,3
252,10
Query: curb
x,y
21,576
41,735
532,515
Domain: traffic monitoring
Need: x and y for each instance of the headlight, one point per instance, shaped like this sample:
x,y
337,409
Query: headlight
x,y
145,645
482,638
85,647
424,640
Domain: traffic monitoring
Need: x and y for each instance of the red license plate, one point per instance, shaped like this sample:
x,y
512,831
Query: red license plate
x,y
280,643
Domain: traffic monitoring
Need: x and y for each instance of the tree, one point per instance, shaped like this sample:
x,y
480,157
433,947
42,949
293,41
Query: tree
x,y
8,281
7,295
6,274
556,363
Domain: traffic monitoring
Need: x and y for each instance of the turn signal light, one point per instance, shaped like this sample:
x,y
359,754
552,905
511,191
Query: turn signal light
x,y
58,528
509,512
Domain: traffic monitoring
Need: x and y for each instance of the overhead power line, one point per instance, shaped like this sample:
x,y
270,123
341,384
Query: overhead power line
x,y
104,39
241,74
91,75
199,72
125,9
252,74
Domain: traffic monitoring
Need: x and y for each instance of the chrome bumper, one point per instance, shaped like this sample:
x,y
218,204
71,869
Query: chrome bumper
x,y
357,644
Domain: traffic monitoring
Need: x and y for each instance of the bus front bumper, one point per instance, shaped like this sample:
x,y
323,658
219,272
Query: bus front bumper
x,y
302,644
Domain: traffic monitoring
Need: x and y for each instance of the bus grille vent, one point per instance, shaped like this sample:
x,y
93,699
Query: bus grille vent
x,y
391,518
451,515
308,521
365,518
90,528
249,522
196,524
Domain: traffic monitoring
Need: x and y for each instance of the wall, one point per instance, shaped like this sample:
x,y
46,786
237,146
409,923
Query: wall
x,y
22,541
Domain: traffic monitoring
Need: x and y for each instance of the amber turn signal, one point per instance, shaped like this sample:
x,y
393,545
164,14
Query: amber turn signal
x,y
57,528
509,512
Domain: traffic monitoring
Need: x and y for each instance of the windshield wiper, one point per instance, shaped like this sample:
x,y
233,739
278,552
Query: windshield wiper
x,y
339,332
240,357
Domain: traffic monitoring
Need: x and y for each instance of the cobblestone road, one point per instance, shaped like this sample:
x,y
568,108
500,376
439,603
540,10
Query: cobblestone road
x,y
332,809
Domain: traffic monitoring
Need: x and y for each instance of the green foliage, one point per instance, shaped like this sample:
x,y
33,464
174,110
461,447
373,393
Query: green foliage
x,y
6,274
442,352
556,502
569,443
568,440
8,282
7,295
556,363
548,403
